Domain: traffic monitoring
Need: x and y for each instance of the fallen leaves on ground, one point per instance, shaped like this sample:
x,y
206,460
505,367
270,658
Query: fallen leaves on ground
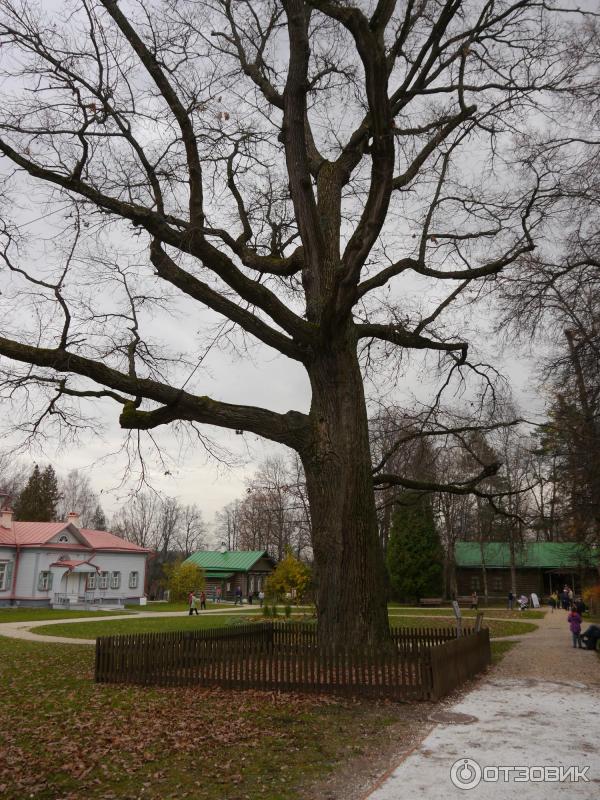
x,y
64,737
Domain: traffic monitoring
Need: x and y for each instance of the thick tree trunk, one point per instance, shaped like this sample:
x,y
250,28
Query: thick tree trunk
x,y
349,564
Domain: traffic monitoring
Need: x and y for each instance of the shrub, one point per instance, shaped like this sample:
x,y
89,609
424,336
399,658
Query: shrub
x,y
591,597
291,578
182,579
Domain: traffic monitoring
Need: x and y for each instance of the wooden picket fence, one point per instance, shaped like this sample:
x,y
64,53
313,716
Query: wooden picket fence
x,y
424,664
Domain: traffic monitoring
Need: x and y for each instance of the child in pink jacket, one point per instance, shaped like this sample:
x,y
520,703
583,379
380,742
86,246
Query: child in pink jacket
x,y
574,620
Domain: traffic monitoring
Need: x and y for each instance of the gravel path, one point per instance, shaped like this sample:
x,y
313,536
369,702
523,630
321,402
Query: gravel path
x,y
537,708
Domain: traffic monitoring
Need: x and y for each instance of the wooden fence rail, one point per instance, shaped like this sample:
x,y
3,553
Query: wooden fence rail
x,y
423,664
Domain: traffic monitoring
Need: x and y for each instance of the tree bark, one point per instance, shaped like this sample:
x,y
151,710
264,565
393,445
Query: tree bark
x,y
349,564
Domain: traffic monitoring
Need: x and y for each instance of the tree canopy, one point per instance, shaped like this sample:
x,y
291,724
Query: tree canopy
x,y
327,179
38,500
414,556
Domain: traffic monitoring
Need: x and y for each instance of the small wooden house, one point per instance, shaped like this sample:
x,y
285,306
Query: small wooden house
x,y
540,567
230,569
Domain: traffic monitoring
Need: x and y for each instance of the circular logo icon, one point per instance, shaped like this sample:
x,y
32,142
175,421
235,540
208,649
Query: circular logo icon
x,y
465,773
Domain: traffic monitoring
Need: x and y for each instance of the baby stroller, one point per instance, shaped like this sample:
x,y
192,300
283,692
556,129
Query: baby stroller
x,y
523,603
591,637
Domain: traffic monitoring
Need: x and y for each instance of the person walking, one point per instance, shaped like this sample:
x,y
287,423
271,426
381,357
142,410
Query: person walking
x,y
511,601
474,601
261,598
564,598
238,596
574,620
203,600
219,593
553,601
192,604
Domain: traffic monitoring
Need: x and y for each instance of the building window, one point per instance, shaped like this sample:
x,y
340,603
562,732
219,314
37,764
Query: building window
x,y
63,538
252,584
91,581
474,583
45,581
5,575
115,580
103,583
133,580
498,583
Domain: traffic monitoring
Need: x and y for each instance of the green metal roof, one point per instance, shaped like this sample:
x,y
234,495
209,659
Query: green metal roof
x,y
229,561
548,555
224,576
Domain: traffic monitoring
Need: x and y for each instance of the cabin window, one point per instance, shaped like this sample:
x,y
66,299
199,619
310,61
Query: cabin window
x,y
63,538
44,581
133,580
103,580
252,584
5,575
474,583
91,581
498,583
115,580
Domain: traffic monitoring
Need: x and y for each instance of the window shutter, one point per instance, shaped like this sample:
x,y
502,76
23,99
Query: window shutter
x,y
8,576
41,582
50,579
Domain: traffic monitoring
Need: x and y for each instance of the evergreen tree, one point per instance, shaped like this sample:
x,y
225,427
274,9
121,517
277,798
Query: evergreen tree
x,y
414,557
98,522
37,502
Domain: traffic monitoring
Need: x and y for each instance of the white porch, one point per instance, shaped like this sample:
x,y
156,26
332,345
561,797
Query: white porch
x,y
71,589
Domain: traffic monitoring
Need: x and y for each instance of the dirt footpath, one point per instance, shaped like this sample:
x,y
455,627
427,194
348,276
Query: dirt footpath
x,y
538,711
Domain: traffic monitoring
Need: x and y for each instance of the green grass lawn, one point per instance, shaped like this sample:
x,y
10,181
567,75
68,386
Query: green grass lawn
x,y
488,611
507,627
500,649
91,629
63,736
157,606
34,614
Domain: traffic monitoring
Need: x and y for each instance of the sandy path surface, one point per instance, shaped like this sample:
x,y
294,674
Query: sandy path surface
x,y
538,709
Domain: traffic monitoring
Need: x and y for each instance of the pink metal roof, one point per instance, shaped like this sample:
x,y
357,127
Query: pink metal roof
x,y
104,540
39,533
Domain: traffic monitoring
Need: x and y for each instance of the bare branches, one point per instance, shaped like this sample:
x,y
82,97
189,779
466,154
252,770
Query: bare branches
x,y
175,403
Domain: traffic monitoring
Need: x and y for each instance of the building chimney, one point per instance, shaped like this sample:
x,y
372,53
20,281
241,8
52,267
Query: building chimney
x,y
6,515
73,518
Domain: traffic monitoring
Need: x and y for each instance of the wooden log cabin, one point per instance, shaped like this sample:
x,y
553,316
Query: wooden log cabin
x,y
541,567
228,569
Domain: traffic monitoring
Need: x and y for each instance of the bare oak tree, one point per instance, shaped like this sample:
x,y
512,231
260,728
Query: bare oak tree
x,y
298,167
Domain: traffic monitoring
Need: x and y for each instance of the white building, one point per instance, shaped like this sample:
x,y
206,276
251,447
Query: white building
x,y
59,564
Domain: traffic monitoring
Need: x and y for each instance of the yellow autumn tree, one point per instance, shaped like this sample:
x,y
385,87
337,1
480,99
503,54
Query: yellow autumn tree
x,y
182,578
291,577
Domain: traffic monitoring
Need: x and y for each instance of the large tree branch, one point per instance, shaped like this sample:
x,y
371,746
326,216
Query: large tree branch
x,y
179,111
167,269
467,486
398,335
176,404
185,240
293,134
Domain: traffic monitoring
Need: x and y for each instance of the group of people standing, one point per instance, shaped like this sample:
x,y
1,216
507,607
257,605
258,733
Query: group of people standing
x,y
564,599
196,601
575,608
